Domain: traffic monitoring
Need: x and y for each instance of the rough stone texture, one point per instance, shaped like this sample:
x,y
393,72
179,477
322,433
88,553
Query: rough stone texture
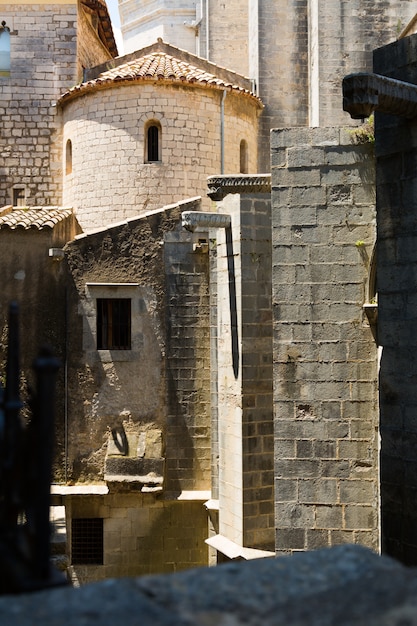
x,y
243,357
44,39
110,179
396,151
163,381
141,534
325,356
347,586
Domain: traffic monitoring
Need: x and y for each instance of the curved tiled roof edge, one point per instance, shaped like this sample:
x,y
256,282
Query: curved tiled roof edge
x,y
157,66
34,218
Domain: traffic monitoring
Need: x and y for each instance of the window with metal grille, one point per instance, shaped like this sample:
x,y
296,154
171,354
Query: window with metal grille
x,y
87,541
153,147
113,323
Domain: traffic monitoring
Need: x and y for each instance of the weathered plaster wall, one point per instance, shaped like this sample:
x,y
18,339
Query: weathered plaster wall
x,y
162,384
163,380
396,150
110,180
325,356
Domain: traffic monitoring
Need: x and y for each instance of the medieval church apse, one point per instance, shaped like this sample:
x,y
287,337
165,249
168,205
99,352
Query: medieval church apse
x,y
191,226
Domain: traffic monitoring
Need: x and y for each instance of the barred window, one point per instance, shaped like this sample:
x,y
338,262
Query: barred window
x,y
87,541
113,323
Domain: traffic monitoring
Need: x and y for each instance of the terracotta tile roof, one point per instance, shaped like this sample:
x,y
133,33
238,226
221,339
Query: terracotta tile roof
x,y
33,218
104,27
156,66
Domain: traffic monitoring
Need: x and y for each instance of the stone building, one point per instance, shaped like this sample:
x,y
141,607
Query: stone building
x,y
218,397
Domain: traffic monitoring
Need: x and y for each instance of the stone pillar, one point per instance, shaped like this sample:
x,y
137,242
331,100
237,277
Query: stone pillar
x,y
244,352
325,357
396,151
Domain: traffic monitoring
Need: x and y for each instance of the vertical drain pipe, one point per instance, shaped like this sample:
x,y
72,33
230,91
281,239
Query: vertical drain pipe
x,y
207,31
222,132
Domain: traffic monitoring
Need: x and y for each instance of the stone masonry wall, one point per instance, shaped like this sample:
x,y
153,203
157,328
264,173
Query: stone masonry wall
x,y
43,65
110,179
141,535
163,381
244,378
396,152
325,357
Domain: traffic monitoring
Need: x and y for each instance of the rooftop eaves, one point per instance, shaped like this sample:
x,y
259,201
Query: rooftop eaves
x,y
32,218
161,63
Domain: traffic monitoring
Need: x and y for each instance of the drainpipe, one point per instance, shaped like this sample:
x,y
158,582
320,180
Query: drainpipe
x,y
222,132
313,66
207,31
66,388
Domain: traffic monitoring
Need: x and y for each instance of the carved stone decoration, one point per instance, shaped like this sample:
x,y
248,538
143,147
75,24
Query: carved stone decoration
x,y
364,93
191,220
221,186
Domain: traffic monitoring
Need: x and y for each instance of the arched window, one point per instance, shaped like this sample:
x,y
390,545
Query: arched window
x,y
68,157
4,50
243,156
153,142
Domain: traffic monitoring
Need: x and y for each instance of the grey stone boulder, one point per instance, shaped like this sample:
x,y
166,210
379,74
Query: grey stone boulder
x,y
345,585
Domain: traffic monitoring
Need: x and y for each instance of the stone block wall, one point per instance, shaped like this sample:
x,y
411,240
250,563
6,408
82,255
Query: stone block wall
x,y
325,356
110,179
163,382
188,361
43,65
244,372
141,535
396,152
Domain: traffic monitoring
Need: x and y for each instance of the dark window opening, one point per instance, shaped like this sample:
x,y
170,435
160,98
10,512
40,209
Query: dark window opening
x,y
244,157
19,197
87,541
153,141
113,323
68,157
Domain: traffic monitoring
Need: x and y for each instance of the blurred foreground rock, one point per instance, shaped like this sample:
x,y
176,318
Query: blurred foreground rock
x,y
338,586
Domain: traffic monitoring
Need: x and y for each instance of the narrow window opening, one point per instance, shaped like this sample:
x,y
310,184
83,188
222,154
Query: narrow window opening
x,y
68,157
113,323
153,143
4,50
87,541
244,157
19,197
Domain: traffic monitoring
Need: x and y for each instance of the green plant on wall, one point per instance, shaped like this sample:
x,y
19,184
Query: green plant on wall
x,y
364,133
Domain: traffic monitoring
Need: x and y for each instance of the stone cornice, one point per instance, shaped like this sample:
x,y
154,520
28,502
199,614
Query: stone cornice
x,y
365,93
221,186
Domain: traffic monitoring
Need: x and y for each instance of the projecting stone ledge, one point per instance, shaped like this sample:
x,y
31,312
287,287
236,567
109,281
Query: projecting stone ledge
x,y
343,586
365,93
221,186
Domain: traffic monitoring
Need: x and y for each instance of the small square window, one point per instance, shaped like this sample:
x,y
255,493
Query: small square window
x,y
87,541
19,196
113,323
